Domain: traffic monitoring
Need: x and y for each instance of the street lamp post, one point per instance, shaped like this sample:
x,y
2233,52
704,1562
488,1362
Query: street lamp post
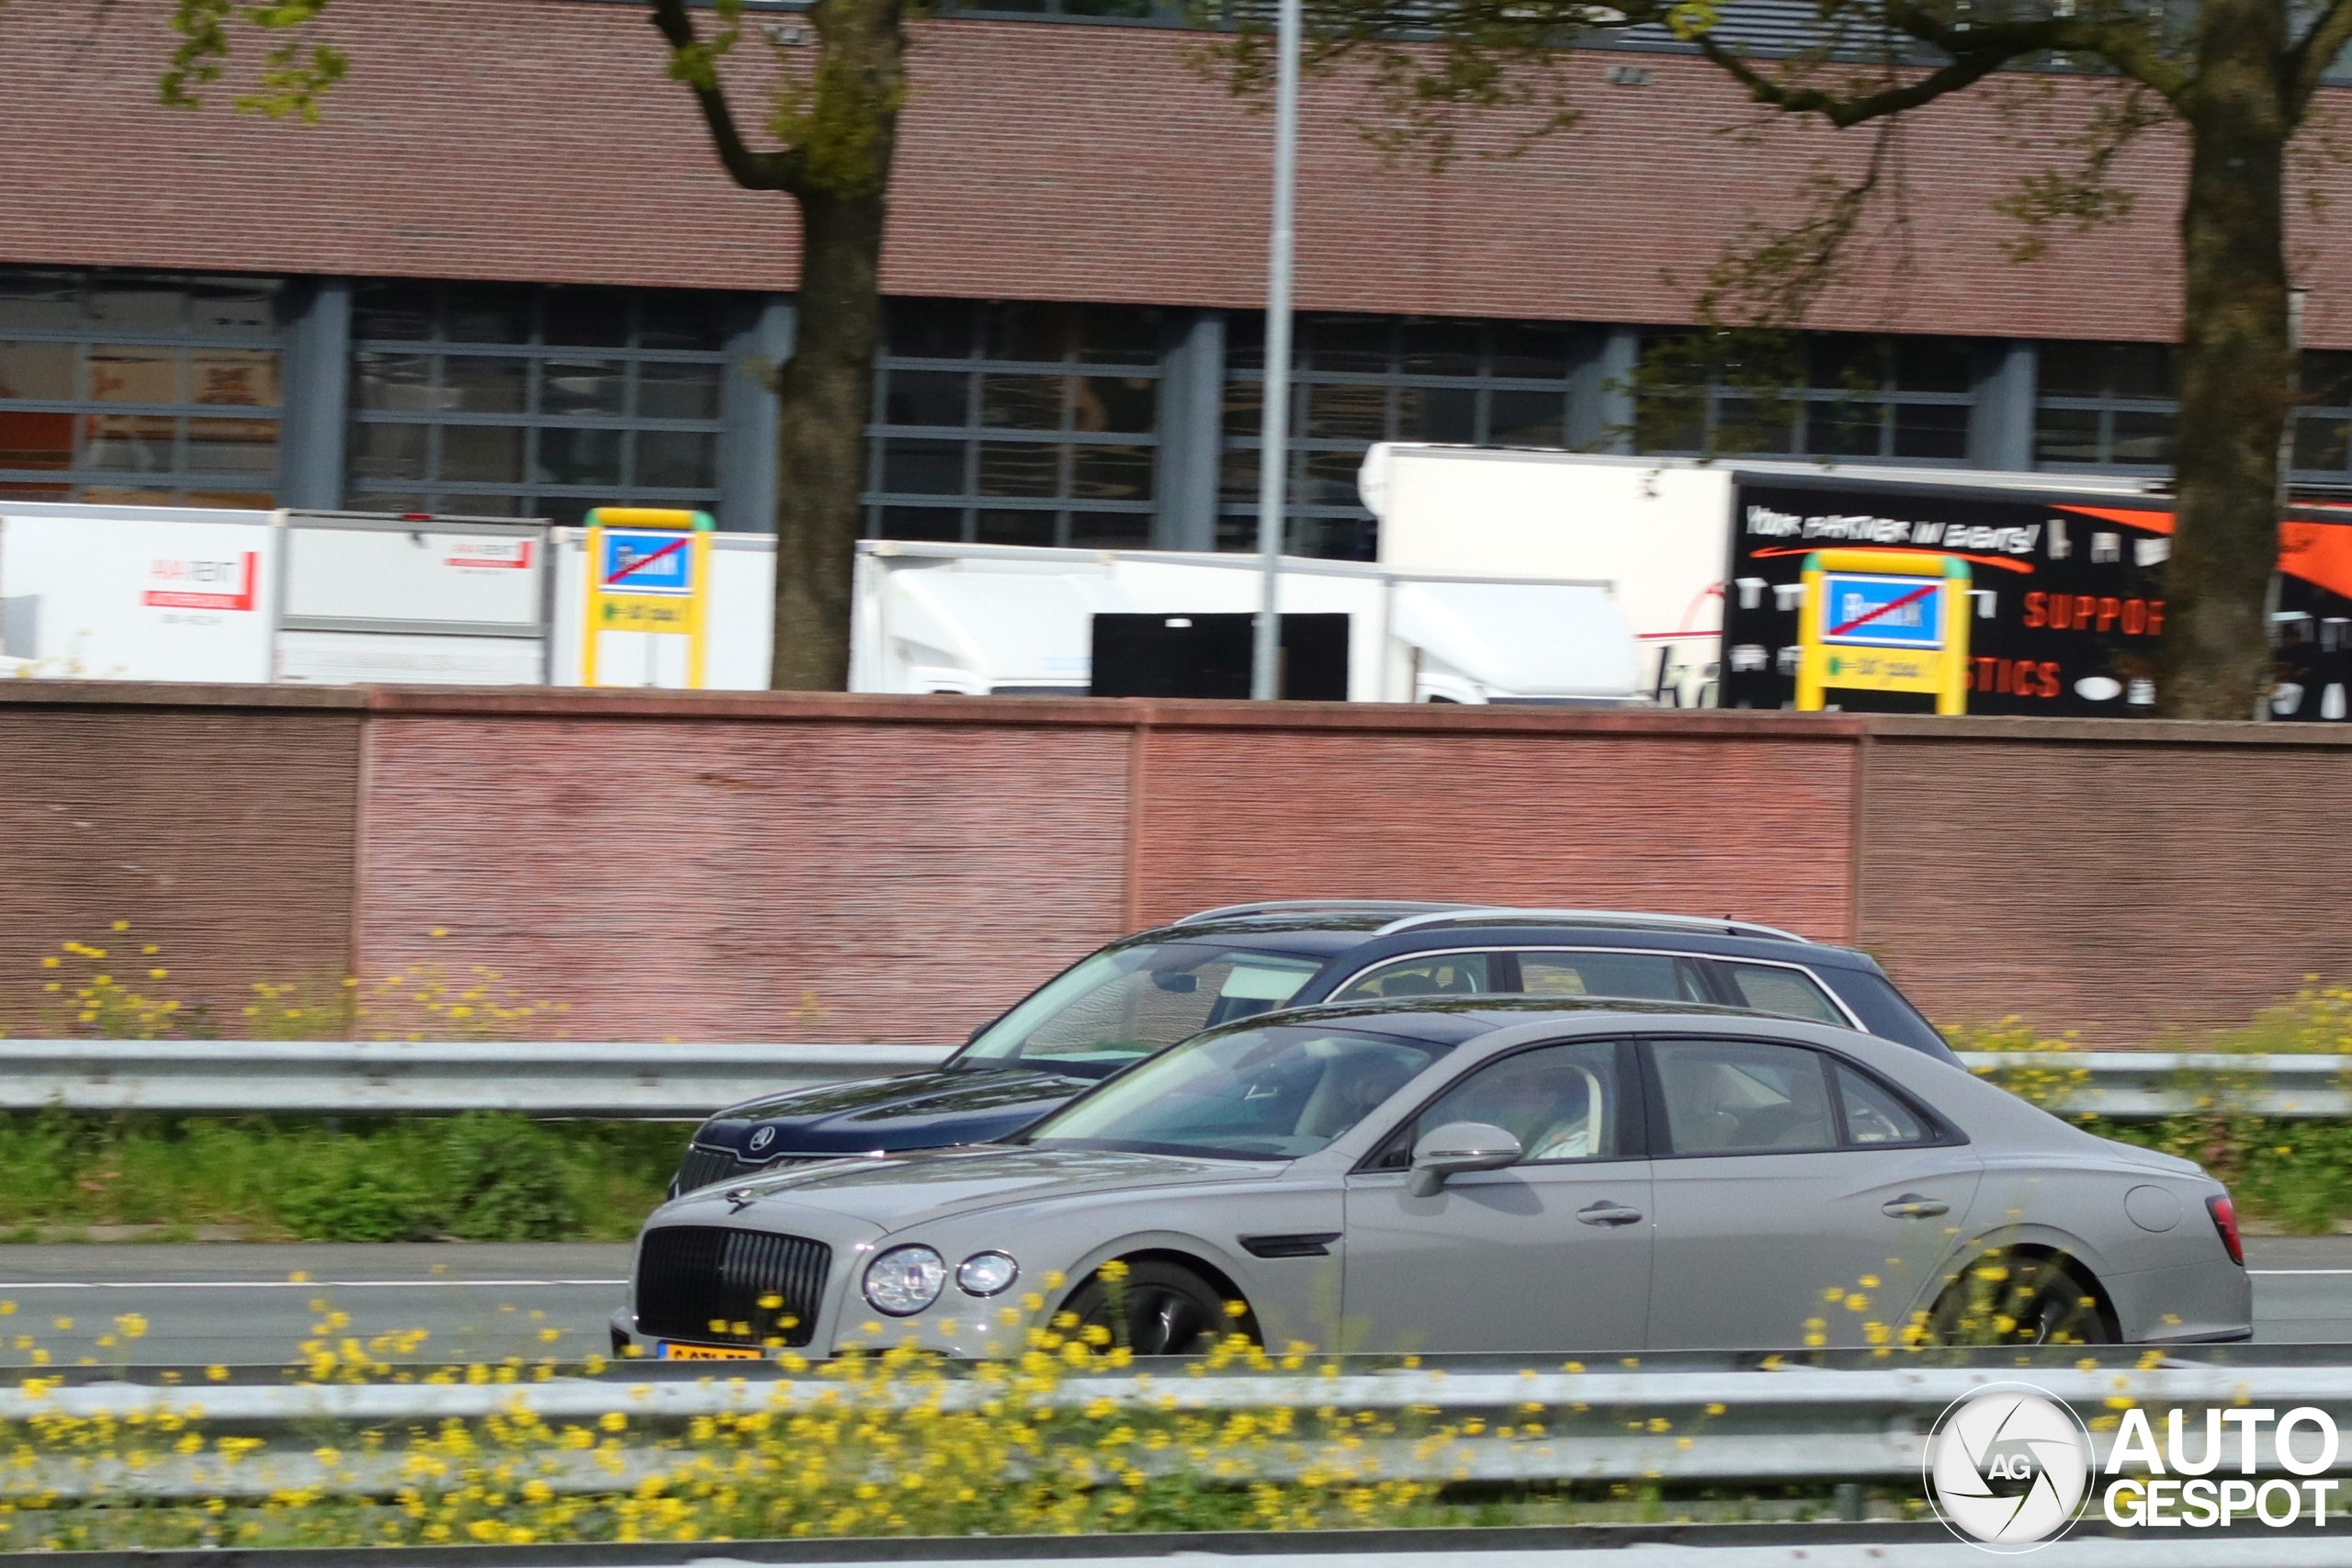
x,y
1274,438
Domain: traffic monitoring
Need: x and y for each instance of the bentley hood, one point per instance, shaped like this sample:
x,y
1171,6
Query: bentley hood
x,y
893,1192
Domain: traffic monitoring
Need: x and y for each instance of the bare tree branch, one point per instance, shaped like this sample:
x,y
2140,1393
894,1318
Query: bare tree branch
x,y
2308,60
1845,111
1975,50
695,63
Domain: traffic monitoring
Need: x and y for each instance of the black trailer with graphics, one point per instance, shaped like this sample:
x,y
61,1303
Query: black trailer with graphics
x,y
2066,595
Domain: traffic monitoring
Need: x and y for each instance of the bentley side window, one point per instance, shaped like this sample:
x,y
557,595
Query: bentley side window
x,y
1562,1102
1730,1097
1874,1115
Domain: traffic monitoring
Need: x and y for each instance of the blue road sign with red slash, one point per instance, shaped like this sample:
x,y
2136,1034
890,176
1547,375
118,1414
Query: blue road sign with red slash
x,y
1871,611
1875,621
645,560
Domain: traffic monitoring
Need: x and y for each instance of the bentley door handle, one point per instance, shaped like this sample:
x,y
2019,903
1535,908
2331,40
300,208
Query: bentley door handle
x,y
1607,1213
1912,1206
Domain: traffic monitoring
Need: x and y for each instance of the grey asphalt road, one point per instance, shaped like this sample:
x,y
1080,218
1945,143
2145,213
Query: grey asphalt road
x,y
2303,1288
205,1304
243,1306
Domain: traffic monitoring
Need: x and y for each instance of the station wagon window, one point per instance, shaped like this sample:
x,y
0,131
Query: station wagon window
x,y
1562,1102
1131,1001
1873,1114
1777,988
1444,975
1724,1097
1272,1093
1646,975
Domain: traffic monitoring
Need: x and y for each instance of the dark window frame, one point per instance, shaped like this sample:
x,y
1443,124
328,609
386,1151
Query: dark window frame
x,y
530,494
174,482
1809,404
1328,528
964,512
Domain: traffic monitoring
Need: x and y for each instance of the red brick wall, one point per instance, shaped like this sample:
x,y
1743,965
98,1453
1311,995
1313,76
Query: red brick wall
x,y
2115,877
696,875
691,866
1697,816
538,140
219,823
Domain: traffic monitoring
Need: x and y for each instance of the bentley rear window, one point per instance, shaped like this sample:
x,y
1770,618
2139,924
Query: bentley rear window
x,y
1253,1094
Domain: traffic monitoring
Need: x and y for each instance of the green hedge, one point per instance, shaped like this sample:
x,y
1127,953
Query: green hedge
x,y
480,1177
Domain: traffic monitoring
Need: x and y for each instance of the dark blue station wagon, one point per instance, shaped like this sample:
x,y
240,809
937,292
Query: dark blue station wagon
x,y
1146,992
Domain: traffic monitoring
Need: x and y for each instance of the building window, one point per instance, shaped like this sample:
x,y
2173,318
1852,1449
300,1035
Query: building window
x,y
528,401
1358,379
2323,449
1826,395
2104,404
140,387
1016,424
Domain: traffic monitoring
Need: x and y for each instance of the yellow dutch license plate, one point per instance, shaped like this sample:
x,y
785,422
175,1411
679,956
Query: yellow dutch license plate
x,y
707,1353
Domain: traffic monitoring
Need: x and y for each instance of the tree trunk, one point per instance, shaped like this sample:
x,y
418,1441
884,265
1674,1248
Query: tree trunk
x,y
825,395
2216,660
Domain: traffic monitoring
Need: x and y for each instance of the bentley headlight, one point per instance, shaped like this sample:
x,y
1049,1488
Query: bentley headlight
x,y
905,1279
987,1273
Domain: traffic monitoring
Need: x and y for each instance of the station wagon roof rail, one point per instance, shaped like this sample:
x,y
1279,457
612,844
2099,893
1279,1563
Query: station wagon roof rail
x,y
1638,919
1322,906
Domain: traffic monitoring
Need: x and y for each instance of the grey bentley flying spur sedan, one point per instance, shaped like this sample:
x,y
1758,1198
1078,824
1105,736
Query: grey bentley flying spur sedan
x,y
1480,1174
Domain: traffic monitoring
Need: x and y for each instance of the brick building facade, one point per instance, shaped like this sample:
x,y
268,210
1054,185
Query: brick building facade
x,y
503,274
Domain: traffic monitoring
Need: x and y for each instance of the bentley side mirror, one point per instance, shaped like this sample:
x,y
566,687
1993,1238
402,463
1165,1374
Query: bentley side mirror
x,y
1458,1147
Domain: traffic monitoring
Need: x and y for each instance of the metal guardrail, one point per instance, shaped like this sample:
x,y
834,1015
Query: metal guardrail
x,y
2141,1084
664,1080
358,1078
1796,1425
2268,1550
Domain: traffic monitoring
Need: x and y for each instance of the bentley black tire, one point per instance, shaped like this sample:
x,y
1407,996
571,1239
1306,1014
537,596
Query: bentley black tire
x,y
2021,1299
1159,1309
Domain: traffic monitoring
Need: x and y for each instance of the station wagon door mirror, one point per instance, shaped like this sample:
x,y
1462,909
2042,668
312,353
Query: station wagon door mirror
x,y
1458,1147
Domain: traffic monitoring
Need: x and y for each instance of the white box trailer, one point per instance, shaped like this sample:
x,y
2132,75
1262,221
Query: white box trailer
x,y
1659,528
139,592
980,619
189,593
436,601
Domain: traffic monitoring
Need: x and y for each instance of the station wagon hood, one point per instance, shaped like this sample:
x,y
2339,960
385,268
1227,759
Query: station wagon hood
x,y
922,1110
896,1190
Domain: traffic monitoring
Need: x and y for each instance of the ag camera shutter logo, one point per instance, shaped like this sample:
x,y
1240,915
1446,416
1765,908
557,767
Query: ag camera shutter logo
x,y
2007,1467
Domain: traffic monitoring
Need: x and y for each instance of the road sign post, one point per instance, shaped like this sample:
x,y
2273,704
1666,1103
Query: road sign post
x,y
1883,621
649,573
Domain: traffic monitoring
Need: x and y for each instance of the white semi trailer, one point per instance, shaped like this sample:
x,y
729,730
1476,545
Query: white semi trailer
x,y
979,619
1661,529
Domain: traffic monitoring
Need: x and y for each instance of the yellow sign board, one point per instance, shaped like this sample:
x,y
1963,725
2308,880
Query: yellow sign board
x,y
649,573
1883,621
